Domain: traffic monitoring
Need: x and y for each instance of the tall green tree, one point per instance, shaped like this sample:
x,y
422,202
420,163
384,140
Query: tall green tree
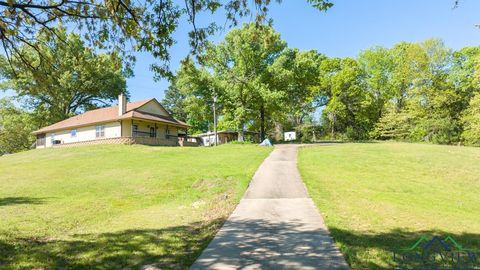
x,y
349,104
297,74
471,122
426,102
432,99
378,64
463,75
241,63
173,101
16,126
197,87
74,78
411,63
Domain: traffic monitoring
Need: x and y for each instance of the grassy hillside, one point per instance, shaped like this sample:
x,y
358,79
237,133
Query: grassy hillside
x,y
380,197
117,206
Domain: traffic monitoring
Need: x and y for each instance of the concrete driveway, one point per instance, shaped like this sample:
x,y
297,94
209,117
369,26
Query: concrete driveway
x,y
275,226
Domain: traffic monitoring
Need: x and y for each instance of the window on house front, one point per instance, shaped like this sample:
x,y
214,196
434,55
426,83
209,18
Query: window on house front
x,y
153,132
41,139
100,131
73,133
52,138
167,133
134,130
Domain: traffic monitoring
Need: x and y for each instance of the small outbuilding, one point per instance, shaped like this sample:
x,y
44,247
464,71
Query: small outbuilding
x,y
290,136
224,136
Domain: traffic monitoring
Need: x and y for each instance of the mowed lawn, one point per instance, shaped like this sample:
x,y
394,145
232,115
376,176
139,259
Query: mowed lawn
x,y
118,207
377,198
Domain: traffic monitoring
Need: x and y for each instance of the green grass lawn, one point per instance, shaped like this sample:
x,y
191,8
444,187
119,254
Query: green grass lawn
x,y
118,207
377,198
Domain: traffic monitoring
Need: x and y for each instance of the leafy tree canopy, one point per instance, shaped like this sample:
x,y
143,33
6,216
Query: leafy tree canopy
x,y
121,25
471,121
16,126
74,78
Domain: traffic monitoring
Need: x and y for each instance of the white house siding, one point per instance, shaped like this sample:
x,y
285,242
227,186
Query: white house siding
x,y
126,128
87,133
210,139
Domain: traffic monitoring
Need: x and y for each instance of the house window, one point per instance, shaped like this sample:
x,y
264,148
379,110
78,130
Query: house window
x,y
100,131
73,133
167,133
153,132
134,130
41,139
52,138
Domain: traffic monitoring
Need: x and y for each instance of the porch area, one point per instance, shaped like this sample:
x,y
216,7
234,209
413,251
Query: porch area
x,y
156,133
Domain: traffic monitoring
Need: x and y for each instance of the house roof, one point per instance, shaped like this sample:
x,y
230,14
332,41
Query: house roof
x,y
154,117
111,114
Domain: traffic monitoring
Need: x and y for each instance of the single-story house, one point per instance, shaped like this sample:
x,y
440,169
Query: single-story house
x,y
224,136
140,122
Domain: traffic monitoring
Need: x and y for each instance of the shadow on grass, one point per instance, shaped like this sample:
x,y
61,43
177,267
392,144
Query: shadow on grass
x,y
375,250
20,200
178,247
169,248
254,242
247,244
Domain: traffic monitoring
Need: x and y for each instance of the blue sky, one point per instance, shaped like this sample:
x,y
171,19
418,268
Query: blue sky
x,y
346,29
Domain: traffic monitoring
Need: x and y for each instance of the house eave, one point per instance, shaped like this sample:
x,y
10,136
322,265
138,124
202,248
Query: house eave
x,y
120,118
40,131
165,123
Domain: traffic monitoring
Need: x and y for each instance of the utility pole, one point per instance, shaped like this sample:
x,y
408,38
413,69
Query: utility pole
x,y
215,118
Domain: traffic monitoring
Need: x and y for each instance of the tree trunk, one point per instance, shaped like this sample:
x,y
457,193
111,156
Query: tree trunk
x,y
299,125
333,125
262,123
241,133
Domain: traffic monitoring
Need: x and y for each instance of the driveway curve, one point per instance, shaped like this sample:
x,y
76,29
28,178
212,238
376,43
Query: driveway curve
x,y
275,226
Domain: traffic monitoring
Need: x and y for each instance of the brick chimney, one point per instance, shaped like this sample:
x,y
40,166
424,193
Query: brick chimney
x,y
122,104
